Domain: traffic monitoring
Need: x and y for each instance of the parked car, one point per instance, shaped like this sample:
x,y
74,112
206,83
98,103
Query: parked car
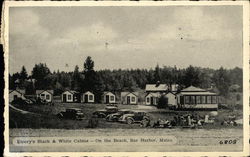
x,y
114,117
104,112
71,113
160,123
135,117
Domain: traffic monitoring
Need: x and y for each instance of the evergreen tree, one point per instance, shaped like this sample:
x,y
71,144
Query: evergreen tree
x,y
222,81
23,74
157,74
88,65
39,72
90,81
76,78
191,77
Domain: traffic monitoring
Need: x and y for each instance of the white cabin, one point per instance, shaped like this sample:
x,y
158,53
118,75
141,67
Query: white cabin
x,y
46,95
108,98
88,97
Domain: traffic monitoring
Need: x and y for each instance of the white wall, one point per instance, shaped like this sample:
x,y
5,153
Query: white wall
x,y
11,95
131,96
148,102
67,93
45,96
89,95
171,99
154,99
110,95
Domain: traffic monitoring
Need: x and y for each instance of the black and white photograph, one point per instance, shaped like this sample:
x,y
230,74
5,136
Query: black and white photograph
x,y
128,77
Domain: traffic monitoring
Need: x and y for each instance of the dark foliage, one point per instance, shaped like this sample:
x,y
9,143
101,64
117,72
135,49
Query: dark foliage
x,y
162,103
221,80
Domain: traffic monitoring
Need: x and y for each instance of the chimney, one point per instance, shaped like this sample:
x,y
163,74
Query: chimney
x,y
157,84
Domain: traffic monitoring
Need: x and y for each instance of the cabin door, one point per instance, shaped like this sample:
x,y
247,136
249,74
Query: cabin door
x,y
64,97
86,98
107,99
152,100
128,99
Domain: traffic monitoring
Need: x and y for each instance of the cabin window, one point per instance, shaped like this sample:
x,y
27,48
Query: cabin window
x,y
42,95
198,99
133,99
192,100
90,97
214,99
47,97
187,99
112,98
209,100
181,99
148,99
69,97
203,99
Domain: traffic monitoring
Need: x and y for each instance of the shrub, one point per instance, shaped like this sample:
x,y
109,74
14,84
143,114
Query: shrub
x,y
19,101
163,102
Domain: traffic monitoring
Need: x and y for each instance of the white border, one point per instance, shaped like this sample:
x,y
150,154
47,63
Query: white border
x,y
5,39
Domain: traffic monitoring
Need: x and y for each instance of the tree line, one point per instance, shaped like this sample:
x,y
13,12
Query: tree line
x,y
222,80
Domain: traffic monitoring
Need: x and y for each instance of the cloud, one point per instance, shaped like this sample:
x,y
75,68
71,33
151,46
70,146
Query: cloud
x,y
25,23
87,36
193,24
167,37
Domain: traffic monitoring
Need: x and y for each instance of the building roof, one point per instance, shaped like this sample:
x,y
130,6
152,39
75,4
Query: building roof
x,y
173,93
71,91
41,91
153,94
174,87
161,87
21,91
197,93
154,87
88,92
10,91
106,92
123,94
193,89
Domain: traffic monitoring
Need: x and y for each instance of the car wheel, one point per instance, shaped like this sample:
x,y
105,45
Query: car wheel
x,y
130,121
102,115
108,118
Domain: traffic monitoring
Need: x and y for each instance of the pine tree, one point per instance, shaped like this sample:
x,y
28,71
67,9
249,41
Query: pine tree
x,y
23,74
157,74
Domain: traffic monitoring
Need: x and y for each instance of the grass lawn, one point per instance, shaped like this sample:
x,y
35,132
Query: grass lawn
x,y
47,116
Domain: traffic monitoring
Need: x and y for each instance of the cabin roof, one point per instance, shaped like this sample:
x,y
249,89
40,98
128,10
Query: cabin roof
x,y
124,94
21,91
88,92
41,91
153,94
71,91
107,92
154,87
161,87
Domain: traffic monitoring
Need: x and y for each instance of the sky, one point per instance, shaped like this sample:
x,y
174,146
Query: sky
x,y
125,37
